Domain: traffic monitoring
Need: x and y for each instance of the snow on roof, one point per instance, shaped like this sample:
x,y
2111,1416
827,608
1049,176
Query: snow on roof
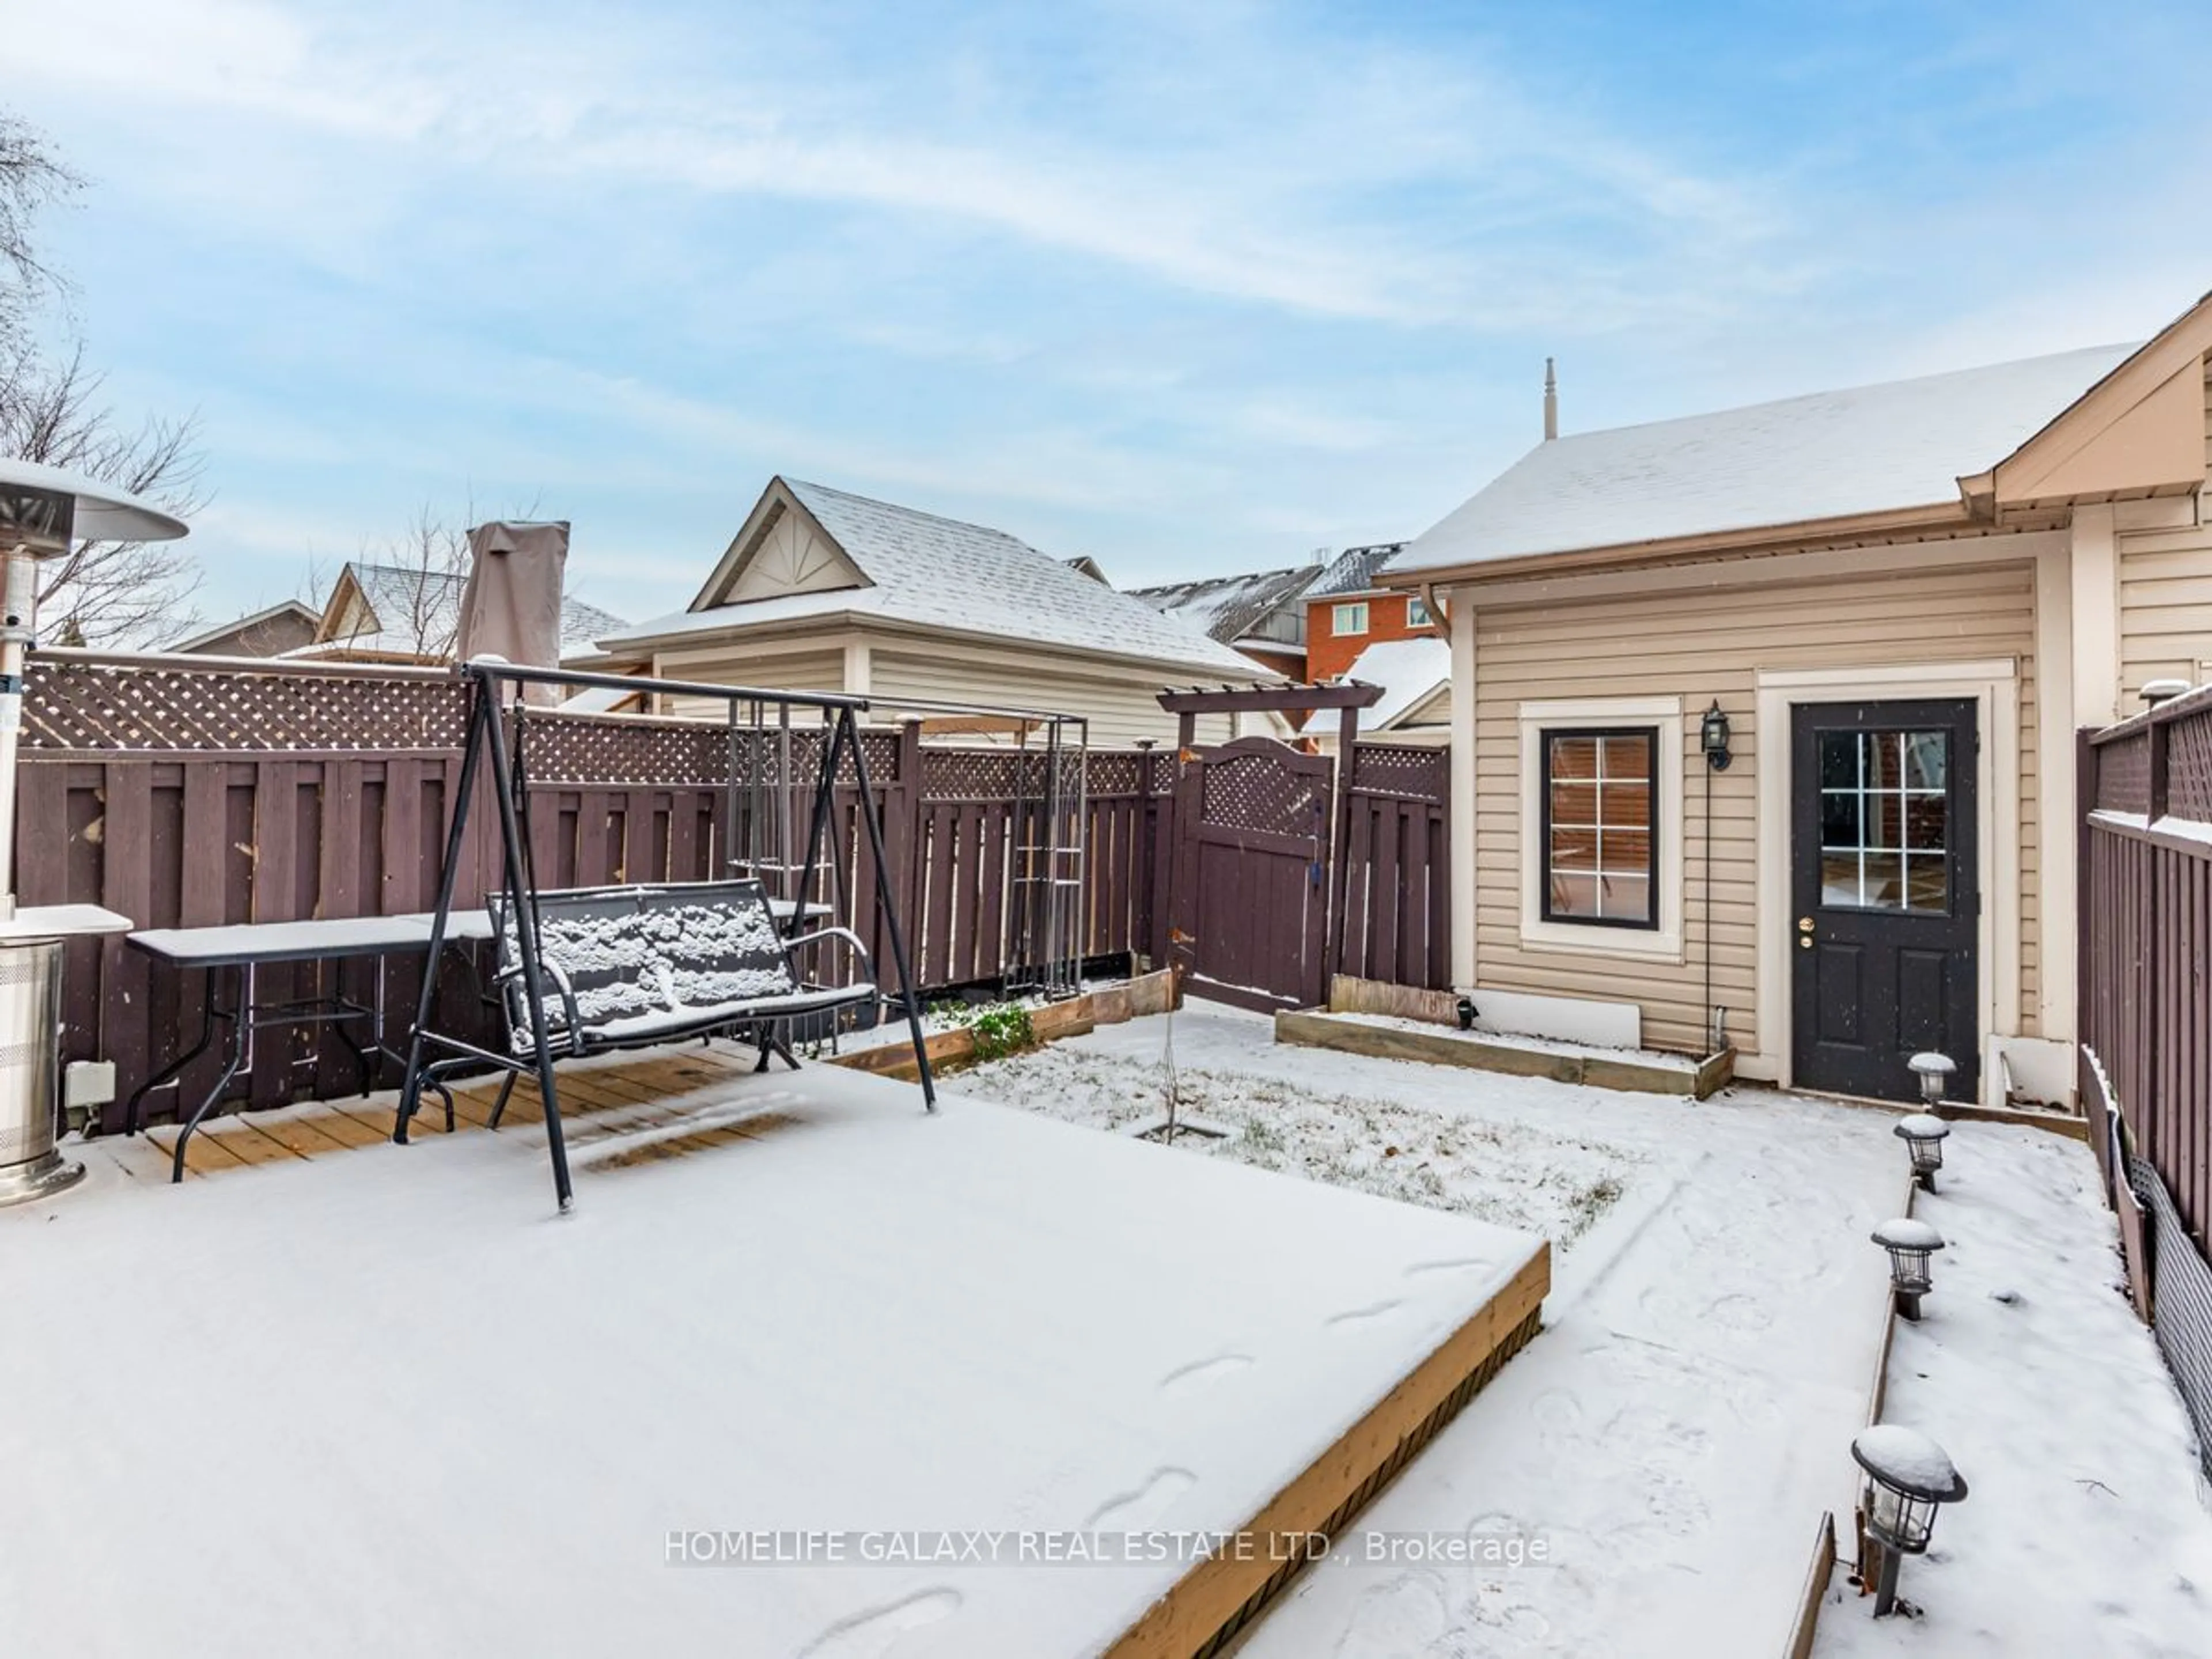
x,y
1354,570
262,618
417,611
964,578
1228,608
1902,444
1408,670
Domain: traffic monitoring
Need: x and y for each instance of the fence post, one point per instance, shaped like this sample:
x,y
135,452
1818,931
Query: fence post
x,y
902,838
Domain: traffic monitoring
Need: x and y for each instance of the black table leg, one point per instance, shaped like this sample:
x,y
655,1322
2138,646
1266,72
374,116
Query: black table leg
x,y
175,1068
241,1048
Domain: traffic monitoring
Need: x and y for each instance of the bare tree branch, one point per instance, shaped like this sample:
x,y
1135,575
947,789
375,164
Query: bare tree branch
x,y
31,177
108,592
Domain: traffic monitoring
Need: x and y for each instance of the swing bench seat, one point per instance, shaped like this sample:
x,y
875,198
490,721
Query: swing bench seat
x,y
629,967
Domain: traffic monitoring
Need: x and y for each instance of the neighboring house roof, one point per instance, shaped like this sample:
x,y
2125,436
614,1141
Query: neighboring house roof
x,y
1903,444
283,626
893,564
407,612
1229,608
1412,673
1354,570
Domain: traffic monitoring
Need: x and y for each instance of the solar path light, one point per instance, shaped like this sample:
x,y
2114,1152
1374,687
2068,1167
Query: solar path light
x,y
1910,1243
1934,1071
43,512
1908,1477
1923,1137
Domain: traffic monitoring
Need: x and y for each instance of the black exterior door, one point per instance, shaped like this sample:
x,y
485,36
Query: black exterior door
x,y
1885,895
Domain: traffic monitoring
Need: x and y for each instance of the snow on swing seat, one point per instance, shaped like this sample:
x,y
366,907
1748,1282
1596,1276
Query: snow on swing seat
x,y
632,965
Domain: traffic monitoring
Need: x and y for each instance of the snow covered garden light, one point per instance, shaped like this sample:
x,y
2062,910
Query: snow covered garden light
x,y
1908,1477
1922,1136
1934,1071
1910,1243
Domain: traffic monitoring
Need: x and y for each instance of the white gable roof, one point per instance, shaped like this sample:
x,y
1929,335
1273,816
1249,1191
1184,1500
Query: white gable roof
x,y
1902,444
1410,671
939,573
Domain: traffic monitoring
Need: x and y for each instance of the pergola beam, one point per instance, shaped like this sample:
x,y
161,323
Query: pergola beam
x,y
1284,699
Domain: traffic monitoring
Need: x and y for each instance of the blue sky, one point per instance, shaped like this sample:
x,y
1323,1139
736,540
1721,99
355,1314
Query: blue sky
x,y
1189,288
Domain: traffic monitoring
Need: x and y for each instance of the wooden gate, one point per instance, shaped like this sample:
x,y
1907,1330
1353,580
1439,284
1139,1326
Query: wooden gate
x,y
1251,900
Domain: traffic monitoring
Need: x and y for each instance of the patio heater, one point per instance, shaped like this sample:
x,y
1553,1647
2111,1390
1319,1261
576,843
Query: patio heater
x,y
43,510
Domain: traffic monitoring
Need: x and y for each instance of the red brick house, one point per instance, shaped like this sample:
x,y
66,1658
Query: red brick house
x,y
1346,611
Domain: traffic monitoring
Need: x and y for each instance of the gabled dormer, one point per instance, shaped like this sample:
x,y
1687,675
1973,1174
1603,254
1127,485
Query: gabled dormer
x,y
782,549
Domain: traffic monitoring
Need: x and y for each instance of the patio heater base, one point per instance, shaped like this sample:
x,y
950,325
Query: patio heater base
x,y
25,1183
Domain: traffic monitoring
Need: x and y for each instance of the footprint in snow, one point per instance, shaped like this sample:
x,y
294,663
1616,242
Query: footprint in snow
x,y
1141,1511
1203,1373
873,1634
1361,1315
1457,1264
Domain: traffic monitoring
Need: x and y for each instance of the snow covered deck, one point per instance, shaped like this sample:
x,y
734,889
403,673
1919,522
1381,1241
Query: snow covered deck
x,y
388,1402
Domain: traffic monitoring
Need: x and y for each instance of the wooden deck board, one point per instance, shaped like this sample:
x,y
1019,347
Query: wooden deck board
x,y
653,1091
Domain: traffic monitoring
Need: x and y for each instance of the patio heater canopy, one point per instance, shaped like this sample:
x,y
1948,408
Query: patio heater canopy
x,y
45,508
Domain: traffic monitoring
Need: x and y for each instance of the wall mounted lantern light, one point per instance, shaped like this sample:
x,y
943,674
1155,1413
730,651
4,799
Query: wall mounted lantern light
x,y
1713,737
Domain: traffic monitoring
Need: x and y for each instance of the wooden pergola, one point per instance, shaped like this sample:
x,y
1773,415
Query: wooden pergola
x,y
1348,697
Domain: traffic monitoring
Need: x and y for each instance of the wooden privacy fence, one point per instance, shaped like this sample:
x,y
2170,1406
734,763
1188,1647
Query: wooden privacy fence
x,y
187,794
2145,940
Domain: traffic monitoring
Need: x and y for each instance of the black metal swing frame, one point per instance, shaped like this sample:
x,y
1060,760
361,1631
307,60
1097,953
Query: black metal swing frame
x,y
486,746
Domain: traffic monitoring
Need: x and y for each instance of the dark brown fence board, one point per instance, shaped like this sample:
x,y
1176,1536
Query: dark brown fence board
x,y
2146,924
189,796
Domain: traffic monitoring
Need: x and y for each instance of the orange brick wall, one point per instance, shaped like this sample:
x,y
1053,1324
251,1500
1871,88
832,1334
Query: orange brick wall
x,y
1328,655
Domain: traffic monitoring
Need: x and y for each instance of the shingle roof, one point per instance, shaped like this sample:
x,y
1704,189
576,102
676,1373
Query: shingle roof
x,y
1901,444
964,578
1354,570
1228,608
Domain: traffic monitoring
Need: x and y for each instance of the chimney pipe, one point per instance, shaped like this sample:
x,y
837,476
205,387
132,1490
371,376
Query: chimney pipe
x,y
1551,403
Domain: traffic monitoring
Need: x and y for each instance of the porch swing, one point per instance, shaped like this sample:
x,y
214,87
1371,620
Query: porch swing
x,y
594,970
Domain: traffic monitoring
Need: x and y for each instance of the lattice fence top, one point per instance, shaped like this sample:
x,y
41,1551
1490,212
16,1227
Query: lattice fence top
x,y
1258,792
582,749
1417,773
1122,774
78,705
2189,769
2124,774
761,754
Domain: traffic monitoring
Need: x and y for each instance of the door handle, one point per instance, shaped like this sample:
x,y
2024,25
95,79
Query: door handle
x,y
1804,932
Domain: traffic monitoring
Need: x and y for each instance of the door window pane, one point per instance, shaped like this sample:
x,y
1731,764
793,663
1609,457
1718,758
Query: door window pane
x,y
1600,829
1885,820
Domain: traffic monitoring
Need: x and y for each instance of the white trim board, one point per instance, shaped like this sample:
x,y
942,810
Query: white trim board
x,y
1992,685
1663,943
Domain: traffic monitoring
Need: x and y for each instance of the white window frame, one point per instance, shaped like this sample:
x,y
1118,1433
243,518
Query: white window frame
x,y
1662,943
1416,612
1355,610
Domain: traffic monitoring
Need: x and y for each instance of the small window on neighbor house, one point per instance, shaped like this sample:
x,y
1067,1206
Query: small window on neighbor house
x,y
1349,618
1600,828
1417,613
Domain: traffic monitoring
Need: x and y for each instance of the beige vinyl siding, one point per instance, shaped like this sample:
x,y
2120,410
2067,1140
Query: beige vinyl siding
x,y
1121,711
1697,644
807,671
2166,601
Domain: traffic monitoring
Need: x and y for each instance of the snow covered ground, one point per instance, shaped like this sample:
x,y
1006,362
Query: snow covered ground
x,y
2085,1529
1336,1124
1667,1446
386,1402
